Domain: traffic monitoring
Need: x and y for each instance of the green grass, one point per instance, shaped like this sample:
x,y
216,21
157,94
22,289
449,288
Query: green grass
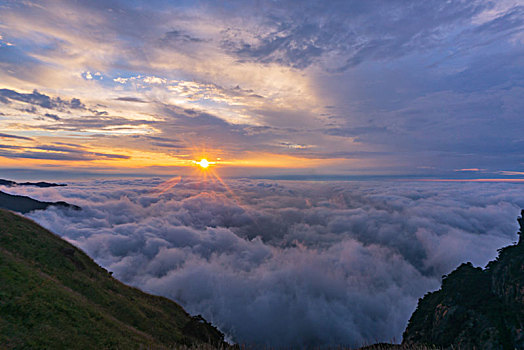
x,y
52,295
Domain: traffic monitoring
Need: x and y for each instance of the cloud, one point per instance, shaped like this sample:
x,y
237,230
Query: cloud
x,y
175,36
344,34
52,116
38,99
56,152
8,136
287,263
101,123
130,99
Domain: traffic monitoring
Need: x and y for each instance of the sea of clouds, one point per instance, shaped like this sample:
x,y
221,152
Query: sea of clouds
x,y
286,263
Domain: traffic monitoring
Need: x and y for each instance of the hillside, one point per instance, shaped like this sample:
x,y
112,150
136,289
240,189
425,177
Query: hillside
x,y
23,204
475,308
52,295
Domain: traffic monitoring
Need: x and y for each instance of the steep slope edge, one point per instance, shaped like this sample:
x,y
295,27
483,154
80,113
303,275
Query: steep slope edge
x,y
475,308
52,295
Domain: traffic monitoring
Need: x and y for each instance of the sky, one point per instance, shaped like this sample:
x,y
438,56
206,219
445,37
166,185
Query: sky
x,y
286,264
263,88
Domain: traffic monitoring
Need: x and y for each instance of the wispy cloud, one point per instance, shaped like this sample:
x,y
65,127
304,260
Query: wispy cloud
x,y
39,99
55,152
7,136
470,170
511,173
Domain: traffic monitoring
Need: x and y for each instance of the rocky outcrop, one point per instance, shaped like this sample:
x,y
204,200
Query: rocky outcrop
x,y
475,308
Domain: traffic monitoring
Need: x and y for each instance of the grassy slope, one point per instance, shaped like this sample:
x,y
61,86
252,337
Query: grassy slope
x,y
52,295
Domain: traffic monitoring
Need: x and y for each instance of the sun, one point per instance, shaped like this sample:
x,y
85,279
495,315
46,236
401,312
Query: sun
x,y
204,163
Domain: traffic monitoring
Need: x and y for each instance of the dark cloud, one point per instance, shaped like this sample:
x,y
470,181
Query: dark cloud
x,y
167,145
38,99
54,152
158,138
76,104
84,123
31,110
177,36
8,136
33,98
130,99
288,263
52,116
10,147
281,48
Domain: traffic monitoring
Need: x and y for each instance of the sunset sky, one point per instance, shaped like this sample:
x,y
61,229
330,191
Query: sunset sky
x,y
263,88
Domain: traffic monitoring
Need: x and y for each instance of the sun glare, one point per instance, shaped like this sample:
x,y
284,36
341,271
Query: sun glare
x,y
203,163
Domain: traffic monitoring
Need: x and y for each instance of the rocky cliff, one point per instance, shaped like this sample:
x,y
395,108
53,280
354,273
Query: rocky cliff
x,y
475,308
